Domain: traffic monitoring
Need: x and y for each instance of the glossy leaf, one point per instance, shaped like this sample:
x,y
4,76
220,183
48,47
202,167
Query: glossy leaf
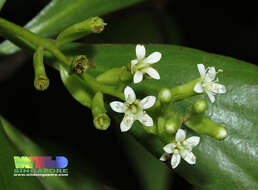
x,y
228,164
59,14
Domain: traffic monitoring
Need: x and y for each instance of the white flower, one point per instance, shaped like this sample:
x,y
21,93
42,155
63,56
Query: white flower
x,y
133,109
208,83
142,65
181,148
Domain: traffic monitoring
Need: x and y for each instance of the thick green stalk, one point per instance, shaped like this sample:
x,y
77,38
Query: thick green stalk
x,y
26,38
41,81
97,87
184,91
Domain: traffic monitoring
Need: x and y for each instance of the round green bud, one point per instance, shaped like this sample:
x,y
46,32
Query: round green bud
x,y
102,121
165,95
80,64
171,126
200,106
221,133
41,83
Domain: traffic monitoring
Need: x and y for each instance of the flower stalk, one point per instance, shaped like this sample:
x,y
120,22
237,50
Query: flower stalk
x,y
100,119
28,39
204,125
184,91
41,81
79,30
119,77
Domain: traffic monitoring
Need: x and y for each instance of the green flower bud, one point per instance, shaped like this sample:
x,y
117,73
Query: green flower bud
x,y
79,30
100,119
41,81
184,91
168,125
114,76
200,106
165,95
204,125
171,126
80,64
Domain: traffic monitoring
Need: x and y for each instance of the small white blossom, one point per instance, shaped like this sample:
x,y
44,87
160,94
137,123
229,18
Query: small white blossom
x,y
181,148
142,65
208,83
133,109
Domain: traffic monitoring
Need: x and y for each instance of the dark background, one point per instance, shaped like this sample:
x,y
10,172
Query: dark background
x,y
61,125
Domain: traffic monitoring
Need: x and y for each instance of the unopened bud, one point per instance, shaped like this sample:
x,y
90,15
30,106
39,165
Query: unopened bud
x,y
114,76
165,95
79,30
41,81
200,106
100,119
204,125
171,126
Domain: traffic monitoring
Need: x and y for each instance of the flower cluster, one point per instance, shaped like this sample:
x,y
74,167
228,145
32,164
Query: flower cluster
x,y
134,109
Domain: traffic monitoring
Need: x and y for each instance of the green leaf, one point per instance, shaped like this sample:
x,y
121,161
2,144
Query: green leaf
x,y
2,2
7,180
228,164
59,14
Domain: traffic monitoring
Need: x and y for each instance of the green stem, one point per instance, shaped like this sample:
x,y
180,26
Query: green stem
x,y
26,38
184,91
41,81
97,87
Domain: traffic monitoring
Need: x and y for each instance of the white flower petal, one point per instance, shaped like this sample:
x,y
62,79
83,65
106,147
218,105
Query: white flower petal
x,y
145,119
118,106
129,95
152,58
127,122
137,77
218,88
190,158
140,51
169,148
211,74
201,70
148,102
180,135
164,157
192,141
211,96
175,160
151,72
198,88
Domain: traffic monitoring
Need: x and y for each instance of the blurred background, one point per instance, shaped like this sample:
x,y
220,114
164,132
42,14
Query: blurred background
x,y
62,126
